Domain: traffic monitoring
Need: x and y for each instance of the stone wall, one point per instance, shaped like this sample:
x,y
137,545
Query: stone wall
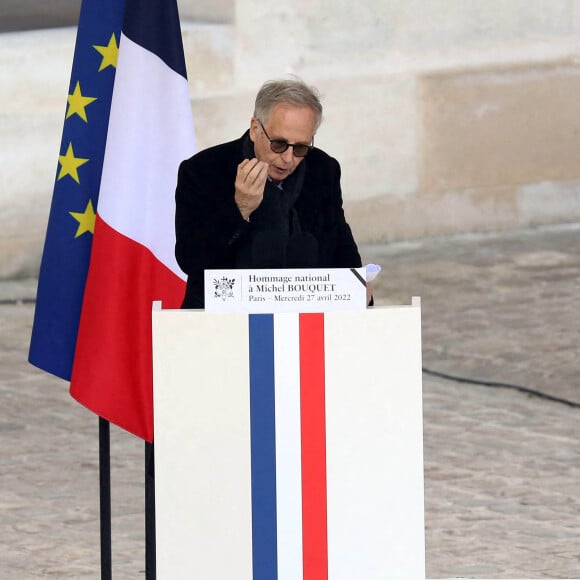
x,y
446,116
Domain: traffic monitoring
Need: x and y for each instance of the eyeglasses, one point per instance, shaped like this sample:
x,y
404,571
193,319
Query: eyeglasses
x,y
280,145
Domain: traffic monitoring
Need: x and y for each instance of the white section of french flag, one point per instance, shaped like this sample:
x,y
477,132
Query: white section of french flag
x,y
150,133
288,446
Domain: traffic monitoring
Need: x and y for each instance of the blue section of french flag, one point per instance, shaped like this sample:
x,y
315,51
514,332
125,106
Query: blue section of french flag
x,y
263,443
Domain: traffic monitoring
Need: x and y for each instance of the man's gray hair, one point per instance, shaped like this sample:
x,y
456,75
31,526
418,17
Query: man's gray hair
x,y
293,91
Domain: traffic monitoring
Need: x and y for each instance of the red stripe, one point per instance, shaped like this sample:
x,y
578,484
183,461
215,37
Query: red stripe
x,y
313,428
112,373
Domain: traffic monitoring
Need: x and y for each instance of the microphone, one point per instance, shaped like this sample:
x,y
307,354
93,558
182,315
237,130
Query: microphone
x,y
302,251
267,250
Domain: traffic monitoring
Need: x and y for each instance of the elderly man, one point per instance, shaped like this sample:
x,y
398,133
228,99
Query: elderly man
x,y
269,199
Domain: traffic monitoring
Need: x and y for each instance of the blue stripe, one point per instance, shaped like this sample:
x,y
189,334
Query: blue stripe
x,y
263,446
154,25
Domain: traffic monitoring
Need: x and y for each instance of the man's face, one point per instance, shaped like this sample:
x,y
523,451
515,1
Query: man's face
x,y
290,123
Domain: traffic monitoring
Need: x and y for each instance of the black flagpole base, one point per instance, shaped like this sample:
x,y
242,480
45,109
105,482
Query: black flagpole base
x,y
105,498
150,560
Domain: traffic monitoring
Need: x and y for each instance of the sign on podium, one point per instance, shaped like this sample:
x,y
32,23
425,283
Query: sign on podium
x,y
288,445
295,290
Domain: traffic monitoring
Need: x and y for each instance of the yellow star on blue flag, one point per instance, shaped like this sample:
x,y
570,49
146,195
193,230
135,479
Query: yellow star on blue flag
x,y
77,103
69,164
110,53
86,220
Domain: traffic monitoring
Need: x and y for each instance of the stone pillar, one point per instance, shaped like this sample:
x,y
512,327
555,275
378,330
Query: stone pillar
x,y
34,78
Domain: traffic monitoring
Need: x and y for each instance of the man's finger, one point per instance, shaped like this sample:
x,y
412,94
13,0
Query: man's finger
x,y
246,166
257,173
260,171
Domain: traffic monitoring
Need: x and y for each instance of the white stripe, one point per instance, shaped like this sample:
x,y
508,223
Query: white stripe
x,y
150,133
288,448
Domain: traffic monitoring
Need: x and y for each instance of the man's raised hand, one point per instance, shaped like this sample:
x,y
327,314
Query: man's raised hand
x,y
250,183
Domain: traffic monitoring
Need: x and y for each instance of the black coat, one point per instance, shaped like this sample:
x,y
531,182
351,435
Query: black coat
x,y
210,230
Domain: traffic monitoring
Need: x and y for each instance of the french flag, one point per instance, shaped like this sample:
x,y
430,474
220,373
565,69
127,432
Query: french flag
x,y
132,259
284,451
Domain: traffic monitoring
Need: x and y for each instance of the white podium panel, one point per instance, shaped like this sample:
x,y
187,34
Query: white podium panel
x,y
289,446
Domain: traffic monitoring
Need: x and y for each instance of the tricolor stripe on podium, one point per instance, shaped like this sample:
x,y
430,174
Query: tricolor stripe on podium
x,y
288,447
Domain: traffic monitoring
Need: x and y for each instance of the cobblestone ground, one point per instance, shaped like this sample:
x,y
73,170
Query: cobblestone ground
x,y
502,467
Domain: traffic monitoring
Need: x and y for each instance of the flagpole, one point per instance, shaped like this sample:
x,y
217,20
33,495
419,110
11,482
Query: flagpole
x,y
150,557
105,496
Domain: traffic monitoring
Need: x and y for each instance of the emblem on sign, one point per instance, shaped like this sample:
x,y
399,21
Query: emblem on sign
x,y
224,287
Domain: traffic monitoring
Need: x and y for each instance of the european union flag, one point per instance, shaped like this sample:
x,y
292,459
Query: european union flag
x,y
67,248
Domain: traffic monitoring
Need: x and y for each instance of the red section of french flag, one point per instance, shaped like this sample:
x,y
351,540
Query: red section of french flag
x,y
313,427
113,362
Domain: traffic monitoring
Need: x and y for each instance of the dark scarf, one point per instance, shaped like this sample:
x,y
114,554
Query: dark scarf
x,y
273,222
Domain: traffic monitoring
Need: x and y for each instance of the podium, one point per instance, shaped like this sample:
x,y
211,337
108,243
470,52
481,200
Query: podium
x,y
289,445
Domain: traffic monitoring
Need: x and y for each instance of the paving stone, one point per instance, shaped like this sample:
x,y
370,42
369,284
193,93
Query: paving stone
x,y
502,467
